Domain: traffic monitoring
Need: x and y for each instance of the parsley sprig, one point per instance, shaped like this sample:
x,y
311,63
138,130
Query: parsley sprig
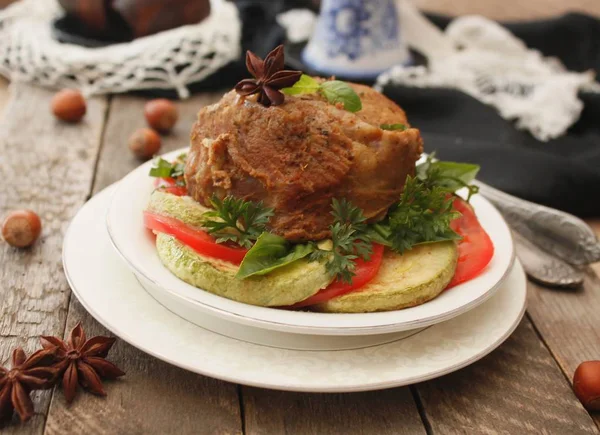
x,y
422,215
350,241
236,220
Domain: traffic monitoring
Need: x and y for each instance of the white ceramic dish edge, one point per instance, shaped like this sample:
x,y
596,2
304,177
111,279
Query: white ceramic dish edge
x,y
136,247
129,325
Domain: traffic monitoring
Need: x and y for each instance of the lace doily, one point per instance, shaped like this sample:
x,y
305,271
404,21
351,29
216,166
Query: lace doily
x,y
171,59
484,60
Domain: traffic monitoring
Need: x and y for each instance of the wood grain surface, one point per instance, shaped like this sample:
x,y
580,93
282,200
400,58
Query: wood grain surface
x,y
522,387
154,397
517,389
510,9
376,412
46,166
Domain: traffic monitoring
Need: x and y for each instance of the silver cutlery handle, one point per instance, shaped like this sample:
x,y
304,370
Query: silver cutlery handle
x,y
545,268
559,233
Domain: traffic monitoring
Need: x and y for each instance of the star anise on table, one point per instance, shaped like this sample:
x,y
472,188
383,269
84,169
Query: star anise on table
x,y
269,77
26,375
81,361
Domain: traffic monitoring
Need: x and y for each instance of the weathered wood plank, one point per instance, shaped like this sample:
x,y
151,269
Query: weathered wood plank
x,y
47,166
154,397
517,389
377,412
4,94
510,10
569,321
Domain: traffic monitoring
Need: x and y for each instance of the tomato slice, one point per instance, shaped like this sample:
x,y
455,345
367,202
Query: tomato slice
x,y
365,272
169,185
198,240
475,250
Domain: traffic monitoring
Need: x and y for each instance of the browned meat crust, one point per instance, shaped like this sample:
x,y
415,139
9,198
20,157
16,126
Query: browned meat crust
x,y
298,156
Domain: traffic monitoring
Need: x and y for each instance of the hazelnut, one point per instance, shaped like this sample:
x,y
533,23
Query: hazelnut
x,y
21,228
586,384
69,105
144,143
161,114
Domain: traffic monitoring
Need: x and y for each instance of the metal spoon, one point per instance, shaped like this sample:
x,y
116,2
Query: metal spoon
x,y
555,231
545,268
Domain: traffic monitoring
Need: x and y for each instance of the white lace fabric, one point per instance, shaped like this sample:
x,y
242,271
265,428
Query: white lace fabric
x,y
172,59
484,60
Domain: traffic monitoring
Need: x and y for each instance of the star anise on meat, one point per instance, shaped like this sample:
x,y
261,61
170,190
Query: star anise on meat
x,y
26,375
81,361
269,77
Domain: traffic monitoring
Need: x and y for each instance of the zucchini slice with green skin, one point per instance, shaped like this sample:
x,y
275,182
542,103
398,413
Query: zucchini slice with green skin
x,y
285,286
403,281
183,208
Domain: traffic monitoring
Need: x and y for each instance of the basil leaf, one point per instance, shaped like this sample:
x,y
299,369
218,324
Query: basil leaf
x,y
336,91
453,176
161,169
305,85
392,127
271,252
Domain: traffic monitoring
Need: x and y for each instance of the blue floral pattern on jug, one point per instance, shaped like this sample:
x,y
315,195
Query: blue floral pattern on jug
x,y
355,27
356,39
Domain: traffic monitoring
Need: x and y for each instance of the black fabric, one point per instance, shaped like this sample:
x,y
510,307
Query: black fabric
x,y
563,173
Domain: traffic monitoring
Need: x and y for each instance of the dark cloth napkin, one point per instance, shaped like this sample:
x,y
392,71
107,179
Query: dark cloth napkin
x,y
563,173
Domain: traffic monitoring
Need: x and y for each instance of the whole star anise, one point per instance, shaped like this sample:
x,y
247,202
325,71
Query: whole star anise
x,y
269,77
82,361
26,375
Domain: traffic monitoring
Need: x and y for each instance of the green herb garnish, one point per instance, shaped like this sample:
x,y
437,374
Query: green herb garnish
x,y
393,127
335,91
350,241
164,169
450,176
305,85
422,215
236,220
271,252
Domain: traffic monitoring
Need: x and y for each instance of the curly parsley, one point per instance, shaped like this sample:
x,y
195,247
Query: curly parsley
x,y
236,220
350,241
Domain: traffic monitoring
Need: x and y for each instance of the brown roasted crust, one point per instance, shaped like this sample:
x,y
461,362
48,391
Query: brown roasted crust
x,y
298,156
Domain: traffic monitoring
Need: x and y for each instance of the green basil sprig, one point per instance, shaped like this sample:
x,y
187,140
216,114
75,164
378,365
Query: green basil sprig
x,y
271,252
335,91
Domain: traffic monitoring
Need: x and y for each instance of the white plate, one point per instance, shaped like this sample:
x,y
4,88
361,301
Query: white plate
x,y
136,246
109,291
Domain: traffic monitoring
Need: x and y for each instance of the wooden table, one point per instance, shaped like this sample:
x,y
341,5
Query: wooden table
x,y
53,168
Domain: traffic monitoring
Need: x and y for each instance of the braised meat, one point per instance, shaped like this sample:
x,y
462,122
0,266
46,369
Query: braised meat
x,y
298,156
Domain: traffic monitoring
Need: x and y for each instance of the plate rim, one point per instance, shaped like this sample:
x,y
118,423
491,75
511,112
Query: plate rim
x,y
365,386
245,318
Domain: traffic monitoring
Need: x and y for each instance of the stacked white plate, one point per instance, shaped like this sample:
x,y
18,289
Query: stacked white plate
x,y
126,287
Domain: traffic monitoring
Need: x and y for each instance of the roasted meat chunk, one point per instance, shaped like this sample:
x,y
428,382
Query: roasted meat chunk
x,y
298,156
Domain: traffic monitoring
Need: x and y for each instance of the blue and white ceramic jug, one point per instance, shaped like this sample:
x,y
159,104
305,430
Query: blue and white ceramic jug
x,y
356,39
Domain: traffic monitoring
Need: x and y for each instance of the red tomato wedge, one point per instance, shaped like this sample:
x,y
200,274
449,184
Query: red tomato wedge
x,y
198,240
475,250
169,185
365,272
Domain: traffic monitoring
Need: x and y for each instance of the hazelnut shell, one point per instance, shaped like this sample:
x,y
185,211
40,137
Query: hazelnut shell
x,y
161,114
69,105
144,143
21,228
586,384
